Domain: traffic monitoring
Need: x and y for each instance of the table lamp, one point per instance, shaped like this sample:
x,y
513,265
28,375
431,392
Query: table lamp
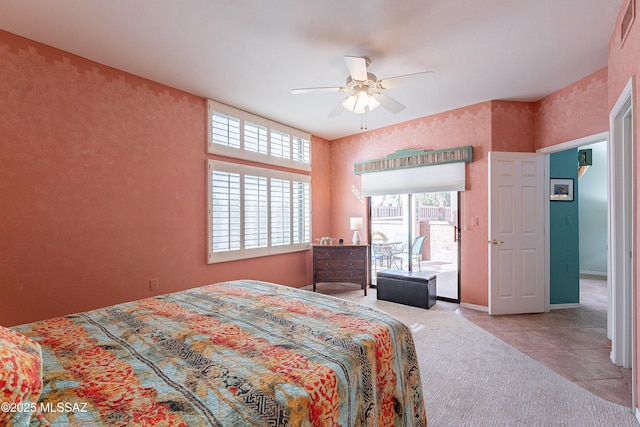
x,y
355,225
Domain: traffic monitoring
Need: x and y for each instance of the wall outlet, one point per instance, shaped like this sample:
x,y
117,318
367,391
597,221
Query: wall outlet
x,y
153,284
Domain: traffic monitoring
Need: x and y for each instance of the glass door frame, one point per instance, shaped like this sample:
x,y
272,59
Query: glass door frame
x,y
411,229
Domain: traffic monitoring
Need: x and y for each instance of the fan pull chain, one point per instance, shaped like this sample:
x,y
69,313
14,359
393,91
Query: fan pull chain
x,y
363,120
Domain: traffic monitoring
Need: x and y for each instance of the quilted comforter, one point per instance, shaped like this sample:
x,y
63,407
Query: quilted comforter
x,y
242,353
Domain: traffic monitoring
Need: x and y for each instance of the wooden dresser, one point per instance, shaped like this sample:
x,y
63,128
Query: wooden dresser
x,y
341,263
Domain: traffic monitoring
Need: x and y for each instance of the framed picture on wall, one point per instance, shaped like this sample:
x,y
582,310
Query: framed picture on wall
x,y
561,189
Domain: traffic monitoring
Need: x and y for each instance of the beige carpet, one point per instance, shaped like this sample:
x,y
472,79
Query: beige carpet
x,y
472,378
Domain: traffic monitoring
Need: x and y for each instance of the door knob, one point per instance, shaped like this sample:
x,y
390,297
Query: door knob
x,y
495,242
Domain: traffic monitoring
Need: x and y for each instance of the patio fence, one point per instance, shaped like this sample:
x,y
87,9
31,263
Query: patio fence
x,y
425,213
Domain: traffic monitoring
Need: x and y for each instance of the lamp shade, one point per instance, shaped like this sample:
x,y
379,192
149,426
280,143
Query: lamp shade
x,y
355,223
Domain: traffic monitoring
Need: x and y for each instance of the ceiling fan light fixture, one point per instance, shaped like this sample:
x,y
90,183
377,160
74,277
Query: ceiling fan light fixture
x,y
373,103
349,102
360,102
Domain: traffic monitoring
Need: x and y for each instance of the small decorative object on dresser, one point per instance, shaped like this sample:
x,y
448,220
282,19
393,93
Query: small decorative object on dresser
x,y
344,263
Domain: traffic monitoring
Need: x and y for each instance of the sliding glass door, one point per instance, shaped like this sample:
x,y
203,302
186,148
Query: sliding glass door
x,y
417,232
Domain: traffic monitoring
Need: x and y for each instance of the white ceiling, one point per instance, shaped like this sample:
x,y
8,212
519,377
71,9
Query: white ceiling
x,y
251,53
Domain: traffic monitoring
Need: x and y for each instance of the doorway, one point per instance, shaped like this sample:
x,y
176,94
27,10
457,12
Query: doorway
x,y
620,227
418,232
578,227
573,147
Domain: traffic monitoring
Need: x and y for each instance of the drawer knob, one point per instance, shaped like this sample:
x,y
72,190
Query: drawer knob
x,y
326,264
350,265
327,254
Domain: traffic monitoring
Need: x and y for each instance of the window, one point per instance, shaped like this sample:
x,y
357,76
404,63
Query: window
x,y
225,130
255,211
238,134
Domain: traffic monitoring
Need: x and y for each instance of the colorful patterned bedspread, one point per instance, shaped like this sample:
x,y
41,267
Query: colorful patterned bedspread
x,y
242,353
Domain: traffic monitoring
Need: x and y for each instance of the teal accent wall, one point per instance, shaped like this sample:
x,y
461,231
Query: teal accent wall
x,y
564,231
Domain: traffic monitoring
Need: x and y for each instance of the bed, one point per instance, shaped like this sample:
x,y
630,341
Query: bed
x,y
240,353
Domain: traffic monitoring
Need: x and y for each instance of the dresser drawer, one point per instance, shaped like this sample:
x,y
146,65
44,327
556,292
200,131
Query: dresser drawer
x,y
340,276
340,253
340,264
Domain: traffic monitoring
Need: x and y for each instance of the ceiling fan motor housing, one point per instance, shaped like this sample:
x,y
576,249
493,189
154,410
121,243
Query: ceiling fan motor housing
x,y
357,85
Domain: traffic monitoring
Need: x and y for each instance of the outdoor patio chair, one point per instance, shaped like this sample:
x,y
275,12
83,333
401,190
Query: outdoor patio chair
x,y
416,252
379,253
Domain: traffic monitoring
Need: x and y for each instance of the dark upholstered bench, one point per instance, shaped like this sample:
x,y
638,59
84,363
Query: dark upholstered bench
x,y
415,288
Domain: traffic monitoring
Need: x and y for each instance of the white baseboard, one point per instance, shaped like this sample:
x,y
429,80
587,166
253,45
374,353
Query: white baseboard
x,y
561,306
593,273
474,307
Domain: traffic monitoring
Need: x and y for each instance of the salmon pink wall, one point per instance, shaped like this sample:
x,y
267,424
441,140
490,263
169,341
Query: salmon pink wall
x,y
466,126
624,64
573,112
624,58
102,183
321,188
512,126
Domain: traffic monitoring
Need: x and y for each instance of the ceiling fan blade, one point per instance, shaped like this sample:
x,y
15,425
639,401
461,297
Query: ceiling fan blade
x,y
318,89
407,79
357,67
337,110
388,103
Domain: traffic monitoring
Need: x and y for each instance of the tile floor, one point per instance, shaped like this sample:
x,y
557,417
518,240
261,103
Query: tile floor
x,y
572,342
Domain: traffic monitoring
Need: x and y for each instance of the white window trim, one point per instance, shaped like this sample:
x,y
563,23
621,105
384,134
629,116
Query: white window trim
x,y
242,253
242,153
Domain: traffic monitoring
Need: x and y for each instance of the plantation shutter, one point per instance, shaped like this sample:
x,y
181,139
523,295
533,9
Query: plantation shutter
x,y
301,212
280,212
225,129
255,211
301,149
256,227
280,144
241,135
225,211
255,137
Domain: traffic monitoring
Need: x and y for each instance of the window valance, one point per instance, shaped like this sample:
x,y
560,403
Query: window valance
x,y
415,171
412,158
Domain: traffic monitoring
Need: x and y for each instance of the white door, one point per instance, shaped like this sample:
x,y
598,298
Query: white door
x,y
516,238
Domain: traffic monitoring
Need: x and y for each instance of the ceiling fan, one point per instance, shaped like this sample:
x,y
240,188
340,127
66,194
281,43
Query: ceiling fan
x,y
366,90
